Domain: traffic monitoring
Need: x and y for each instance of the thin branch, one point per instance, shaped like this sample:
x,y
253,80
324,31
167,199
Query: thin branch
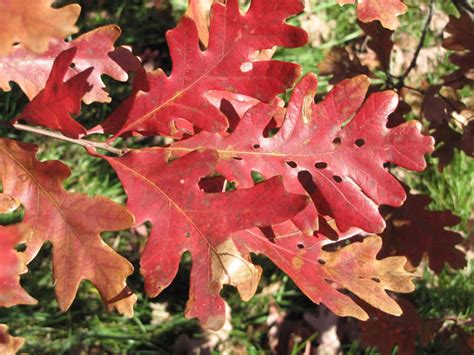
x,y
421,43
57,135
414,89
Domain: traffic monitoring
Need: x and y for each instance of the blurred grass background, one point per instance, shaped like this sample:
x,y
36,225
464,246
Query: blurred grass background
x,y
158,325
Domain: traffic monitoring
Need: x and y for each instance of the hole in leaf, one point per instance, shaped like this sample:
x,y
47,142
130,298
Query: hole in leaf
x,y
337,178
375,279
212,184
269,233
237,158
320,165
72,65
321,262
20,248
256,146
300,245
292,164
336,141
271,129
232,116
359,142
257,177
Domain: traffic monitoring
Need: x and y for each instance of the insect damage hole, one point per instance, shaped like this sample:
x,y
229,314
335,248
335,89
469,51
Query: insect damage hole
x,y
292,164
321,262
337,178
336,141
359,142
320,165
300,245
256,146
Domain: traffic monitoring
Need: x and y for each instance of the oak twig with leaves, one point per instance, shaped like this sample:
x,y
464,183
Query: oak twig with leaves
x,y
326,164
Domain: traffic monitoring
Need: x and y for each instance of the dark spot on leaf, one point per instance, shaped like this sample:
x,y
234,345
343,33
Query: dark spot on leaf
x,y
337,178
300,245
359,142
375,279
292,164
237,158
336,141
256,146
321,261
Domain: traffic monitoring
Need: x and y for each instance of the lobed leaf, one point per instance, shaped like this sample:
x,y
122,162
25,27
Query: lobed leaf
x,y
386,11
400,331
71,222
53,106
353,267
174,104
414,231
11,266
185,218
341,142
459,38
33,23
95,49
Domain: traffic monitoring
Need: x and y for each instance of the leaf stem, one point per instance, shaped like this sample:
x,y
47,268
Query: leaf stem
x,y
57,135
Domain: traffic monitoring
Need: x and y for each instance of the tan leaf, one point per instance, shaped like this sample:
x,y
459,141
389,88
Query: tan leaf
x,y
33,23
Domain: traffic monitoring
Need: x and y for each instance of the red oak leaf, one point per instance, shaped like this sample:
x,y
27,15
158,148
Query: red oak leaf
x,y
9,345
94,49
402,331
176,102
386,11
345,161
414,231
185,218
353,267
71,222
11,266
33,23
53,106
